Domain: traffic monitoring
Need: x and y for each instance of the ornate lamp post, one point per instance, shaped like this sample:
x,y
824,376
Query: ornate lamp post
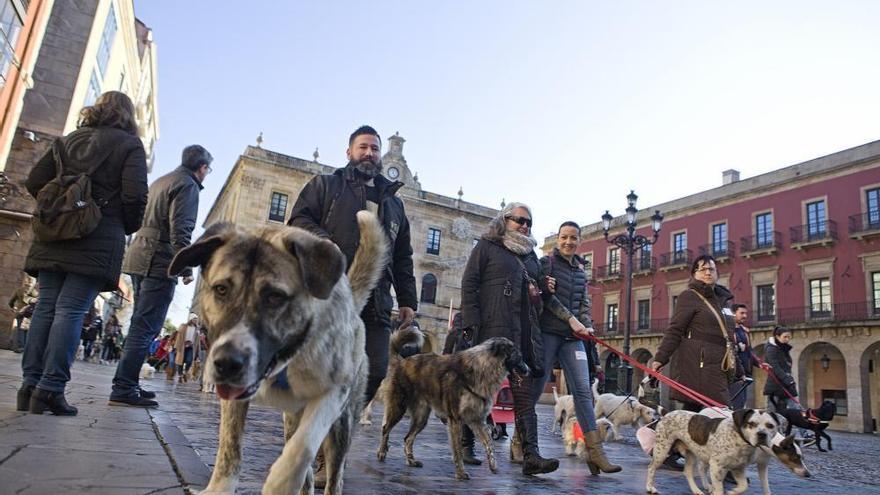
x,y
630,242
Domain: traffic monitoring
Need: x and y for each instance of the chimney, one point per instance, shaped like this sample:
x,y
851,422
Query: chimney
x,y
729,177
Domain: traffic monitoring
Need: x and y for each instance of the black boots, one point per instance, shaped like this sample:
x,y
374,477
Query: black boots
x,y
467,446
23,398
533,463
42,400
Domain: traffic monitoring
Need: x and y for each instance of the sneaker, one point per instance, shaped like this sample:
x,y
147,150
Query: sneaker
x,y
146,394
133,401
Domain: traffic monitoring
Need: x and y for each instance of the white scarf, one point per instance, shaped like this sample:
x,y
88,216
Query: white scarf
x,y
519,243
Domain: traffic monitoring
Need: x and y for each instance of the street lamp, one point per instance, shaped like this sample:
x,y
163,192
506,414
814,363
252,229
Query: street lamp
x,y
630,242
825,361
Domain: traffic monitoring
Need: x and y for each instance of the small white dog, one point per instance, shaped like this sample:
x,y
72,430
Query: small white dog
x,y
147,371
622,410
577,446
563,409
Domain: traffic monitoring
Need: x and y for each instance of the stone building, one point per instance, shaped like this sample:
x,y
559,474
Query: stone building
x,y
264,184
69,53
800,246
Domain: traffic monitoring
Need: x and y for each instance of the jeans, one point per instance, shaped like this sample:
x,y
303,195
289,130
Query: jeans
x,y
187,360
377,343
20,337
87,349
55,328
572,355
740,401
152,297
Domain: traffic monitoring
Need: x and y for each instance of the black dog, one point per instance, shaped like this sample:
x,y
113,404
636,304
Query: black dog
x,y
815,420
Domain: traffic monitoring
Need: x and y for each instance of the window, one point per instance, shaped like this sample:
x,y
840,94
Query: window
x,y
10,28
433,241
764,230
611,318
645,257
820,297
613,261
838,397
644,307
679,245
94,90
875,290
719,239
872,202
816,219
278,207
107,40
766,302
429,288
674,302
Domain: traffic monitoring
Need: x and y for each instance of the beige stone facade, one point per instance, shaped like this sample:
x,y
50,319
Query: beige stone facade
x,y
264,185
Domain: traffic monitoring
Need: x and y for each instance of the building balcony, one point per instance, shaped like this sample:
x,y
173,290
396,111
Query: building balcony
x,y
821,314
676,260
817,234
655,325
608,273
644,266
765,244
721,251
864,225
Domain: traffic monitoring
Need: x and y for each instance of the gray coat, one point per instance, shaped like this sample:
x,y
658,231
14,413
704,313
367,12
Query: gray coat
x,y
168,225
121,182
495,302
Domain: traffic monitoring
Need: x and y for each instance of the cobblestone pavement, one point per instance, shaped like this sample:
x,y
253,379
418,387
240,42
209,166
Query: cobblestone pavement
x,y
852,467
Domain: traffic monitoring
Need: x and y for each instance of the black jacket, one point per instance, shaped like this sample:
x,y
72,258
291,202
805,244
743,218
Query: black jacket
x,y
495,302
121,181
168,225
327,206
778,355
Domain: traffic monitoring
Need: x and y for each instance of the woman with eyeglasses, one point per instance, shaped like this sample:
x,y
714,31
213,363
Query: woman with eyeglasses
x,y
500,297
698,338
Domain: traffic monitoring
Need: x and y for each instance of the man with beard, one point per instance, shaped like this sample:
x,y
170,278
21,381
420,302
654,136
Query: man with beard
x,y
327,206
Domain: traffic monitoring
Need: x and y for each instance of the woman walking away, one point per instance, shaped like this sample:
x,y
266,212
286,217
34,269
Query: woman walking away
x,y
777,354
699,340
73,265
567,316
500,298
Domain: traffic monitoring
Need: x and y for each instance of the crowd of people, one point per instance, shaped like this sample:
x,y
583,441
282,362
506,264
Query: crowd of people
x,y
540,304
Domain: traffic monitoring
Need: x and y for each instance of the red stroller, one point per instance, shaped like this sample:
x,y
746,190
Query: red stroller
x,y
502,411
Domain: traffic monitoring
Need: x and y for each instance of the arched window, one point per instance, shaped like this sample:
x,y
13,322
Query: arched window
x,y
429,288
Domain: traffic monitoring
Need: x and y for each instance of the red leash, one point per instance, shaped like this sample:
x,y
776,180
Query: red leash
x,y
772,374
690,393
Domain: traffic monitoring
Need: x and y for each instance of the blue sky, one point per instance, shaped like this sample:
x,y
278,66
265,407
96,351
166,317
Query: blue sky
x,y
564,105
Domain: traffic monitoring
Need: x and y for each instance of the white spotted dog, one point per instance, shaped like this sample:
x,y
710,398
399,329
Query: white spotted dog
x,y
563,409
621,410
782,447
722,444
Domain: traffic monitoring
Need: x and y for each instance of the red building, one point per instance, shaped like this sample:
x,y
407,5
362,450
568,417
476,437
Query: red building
x,y
800,246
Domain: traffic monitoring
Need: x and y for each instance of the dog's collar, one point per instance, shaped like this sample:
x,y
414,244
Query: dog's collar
x,y
284,353
469,389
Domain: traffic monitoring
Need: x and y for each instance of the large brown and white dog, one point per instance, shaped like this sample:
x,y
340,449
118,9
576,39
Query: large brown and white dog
x,y
284,322
722,444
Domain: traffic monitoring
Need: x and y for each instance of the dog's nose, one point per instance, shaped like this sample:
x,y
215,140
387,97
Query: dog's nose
x,y
229,364
762,437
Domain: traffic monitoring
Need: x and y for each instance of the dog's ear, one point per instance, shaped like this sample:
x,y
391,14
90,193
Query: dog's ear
x,y
321,263
777,417
741,416
786,443
199,252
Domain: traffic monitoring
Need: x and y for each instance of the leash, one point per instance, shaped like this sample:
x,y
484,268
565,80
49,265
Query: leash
x,y
691,394
625,400
772,374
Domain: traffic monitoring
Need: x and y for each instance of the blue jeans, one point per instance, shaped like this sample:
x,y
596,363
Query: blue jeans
x,y
572,355
55,328
152,297
740,401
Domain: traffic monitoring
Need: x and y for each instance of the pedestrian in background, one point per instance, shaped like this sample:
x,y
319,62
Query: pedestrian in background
x,y
566,319
72,272
22,303
777,354
501,297
186,346
168,224
112,332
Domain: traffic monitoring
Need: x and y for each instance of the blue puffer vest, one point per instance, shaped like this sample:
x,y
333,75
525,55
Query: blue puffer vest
x,y
571,290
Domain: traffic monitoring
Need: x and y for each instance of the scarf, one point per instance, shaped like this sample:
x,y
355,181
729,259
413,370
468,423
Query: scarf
x,y
518,243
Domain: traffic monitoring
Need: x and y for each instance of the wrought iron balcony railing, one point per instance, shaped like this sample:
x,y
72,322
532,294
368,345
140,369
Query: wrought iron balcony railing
x,y
816,232
608,272
676,258
718,249
762,241
865,222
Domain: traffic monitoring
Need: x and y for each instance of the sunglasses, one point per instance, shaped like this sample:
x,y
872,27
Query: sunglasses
x,y
521,221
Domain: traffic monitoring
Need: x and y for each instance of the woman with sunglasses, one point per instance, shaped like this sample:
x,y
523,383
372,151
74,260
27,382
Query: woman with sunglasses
x,y
500,298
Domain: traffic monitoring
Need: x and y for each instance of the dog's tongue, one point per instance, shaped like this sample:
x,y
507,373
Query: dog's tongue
x,y
229,393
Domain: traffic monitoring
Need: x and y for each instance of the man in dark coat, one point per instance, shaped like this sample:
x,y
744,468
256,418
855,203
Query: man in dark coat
x,y
168,224
327,206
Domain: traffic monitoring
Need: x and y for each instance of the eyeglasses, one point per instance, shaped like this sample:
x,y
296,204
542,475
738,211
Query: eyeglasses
x,y
209,169
521,221
706,269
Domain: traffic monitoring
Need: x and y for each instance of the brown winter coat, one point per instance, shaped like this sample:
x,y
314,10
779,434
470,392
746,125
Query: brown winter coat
x,y
180,345
695,345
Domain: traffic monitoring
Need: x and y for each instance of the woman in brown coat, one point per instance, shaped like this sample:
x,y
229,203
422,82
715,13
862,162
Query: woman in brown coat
x,y
695,341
